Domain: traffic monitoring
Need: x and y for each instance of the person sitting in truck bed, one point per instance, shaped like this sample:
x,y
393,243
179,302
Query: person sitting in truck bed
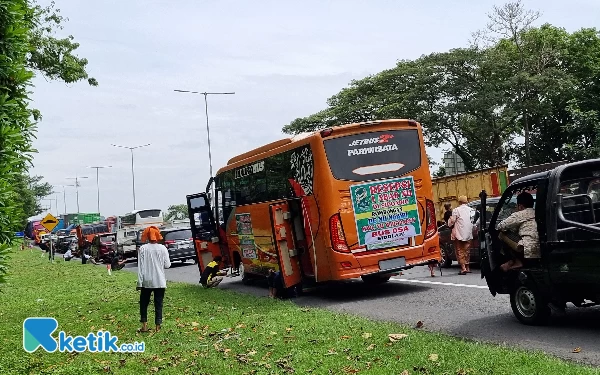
x,y
523,222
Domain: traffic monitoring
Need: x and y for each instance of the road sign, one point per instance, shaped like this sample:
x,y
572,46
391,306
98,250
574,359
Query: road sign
x,y
19,234
49,222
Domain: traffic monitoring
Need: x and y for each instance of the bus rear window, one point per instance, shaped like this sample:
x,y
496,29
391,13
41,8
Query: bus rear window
x,y
375,155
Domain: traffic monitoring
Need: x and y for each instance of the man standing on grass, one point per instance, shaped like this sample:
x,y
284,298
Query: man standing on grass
x,y
153,258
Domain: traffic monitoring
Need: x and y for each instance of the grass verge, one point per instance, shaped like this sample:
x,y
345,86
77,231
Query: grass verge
x,y
220,332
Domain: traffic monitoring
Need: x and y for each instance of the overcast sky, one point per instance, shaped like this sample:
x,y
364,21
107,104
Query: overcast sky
x,y
283,59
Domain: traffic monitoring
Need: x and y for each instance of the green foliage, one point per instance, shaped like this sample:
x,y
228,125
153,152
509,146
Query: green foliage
x,y
27,43
30,190
541,84
16,127
52,56
177,212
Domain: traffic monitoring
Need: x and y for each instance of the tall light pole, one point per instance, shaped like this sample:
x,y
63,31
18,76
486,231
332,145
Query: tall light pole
x,y
65,195
52,199
132,172
207,127
76,178
98,182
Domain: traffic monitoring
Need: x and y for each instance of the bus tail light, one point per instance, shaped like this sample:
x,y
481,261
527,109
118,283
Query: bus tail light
x,y
338,238
430,215
326,132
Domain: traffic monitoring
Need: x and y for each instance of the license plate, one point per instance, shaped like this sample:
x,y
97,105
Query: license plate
x,y
392,263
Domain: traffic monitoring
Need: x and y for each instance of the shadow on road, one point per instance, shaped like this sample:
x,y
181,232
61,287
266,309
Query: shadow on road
x,y
578,328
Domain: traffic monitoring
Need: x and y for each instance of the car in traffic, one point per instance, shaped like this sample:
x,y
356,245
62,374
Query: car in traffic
x,y
179,243
103,247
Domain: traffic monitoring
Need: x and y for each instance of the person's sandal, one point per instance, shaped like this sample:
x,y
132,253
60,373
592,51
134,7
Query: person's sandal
x,y
462,273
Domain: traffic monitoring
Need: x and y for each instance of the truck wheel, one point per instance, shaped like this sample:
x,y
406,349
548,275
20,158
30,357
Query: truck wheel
x,y
446,260
528,305
376,279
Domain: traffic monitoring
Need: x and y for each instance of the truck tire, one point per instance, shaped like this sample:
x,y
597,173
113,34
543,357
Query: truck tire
x,y
528,304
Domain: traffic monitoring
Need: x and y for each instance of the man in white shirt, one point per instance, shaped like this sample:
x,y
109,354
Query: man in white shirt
x,y
462,234
153,258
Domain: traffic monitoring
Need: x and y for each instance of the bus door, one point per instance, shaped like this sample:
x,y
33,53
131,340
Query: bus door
x,y
202,223
287,253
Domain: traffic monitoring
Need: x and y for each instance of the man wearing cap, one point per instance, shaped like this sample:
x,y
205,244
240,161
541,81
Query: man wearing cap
x,y
153,258
462,234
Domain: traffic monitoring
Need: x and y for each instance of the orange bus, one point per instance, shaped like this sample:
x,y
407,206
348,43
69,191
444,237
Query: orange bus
x,y
344,202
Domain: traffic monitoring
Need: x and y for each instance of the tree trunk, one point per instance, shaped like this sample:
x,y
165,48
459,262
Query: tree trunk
x,y
527,149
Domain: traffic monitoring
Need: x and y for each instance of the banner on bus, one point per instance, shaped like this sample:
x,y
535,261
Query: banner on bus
x,y
246,235
386,212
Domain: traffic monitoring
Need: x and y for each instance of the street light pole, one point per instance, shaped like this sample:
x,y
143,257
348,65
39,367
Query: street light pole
x,y
98,181
76,178
207,127
132,170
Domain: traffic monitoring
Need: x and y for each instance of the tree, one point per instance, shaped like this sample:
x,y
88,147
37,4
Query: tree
x,y
52,56
27,43
16,128
177,212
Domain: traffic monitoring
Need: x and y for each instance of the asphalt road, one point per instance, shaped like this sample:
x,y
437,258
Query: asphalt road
x,y
458,305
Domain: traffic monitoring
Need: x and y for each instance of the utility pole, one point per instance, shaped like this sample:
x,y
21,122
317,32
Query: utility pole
x,y
76,178
98,182
207,127
132,171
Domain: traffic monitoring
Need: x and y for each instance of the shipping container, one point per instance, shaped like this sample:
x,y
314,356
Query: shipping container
x,y
447,189
493,180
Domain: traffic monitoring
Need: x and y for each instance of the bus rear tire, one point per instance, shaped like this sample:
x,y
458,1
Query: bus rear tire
x,y
376,279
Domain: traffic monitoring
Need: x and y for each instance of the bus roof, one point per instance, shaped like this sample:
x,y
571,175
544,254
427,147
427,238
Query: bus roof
x,y
282,142
146,209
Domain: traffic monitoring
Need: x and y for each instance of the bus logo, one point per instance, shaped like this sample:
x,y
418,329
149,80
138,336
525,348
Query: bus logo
x,y
384,138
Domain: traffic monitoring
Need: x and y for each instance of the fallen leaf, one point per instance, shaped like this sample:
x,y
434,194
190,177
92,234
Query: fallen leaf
x,y
433,357
240,326
577,350
122,361
367,335
195,353
346,337
288,330
397,336
350,370
419,324
153,369
195,324
273,333
405,372
251,353
106,368
181,325
371,347
331,352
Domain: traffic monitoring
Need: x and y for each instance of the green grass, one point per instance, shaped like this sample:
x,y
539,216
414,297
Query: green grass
x,y
220,332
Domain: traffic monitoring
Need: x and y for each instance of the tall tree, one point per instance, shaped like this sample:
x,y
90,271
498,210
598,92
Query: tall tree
x,y
177,212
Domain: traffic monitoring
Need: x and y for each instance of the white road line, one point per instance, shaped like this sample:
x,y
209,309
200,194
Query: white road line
x,y
438,283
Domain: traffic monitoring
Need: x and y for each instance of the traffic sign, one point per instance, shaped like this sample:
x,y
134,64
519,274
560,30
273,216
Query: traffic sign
x,y
49,222
19,234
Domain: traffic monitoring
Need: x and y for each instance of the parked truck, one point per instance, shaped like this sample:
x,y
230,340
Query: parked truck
x,y
493,180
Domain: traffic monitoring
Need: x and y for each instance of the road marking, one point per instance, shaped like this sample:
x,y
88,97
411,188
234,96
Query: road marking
x,y
438,283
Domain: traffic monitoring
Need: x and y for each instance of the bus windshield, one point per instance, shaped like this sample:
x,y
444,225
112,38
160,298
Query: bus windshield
x,y
375,155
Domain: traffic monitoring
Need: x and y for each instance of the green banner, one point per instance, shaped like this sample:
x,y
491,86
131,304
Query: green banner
x,y
386,212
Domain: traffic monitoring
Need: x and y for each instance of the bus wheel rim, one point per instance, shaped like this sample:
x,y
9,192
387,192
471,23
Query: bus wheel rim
x,y
525,301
